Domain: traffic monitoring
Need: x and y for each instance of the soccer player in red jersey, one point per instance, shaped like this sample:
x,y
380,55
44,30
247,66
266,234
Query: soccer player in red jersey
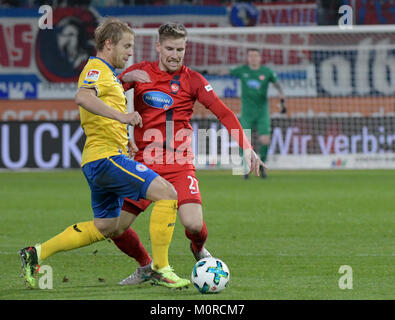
x,y
165,92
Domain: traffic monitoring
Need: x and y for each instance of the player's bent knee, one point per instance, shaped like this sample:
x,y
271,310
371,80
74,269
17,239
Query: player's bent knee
x,y
161,189
119,231
172,193
106,232
168,192
106,228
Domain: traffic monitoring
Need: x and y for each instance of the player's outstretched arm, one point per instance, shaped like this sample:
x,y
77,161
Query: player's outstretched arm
x,y
87,99
135,75
132,75
232,124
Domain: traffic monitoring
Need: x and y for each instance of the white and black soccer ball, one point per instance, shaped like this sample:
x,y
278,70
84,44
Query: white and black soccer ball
x,y
210,275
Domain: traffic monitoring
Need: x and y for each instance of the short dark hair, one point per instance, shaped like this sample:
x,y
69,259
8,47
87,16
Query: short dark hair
x,y
172,30
253,49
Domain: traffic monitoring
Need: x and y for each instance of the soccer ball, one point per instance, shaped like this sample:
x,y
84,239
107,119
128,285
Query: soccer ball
x,y
210,275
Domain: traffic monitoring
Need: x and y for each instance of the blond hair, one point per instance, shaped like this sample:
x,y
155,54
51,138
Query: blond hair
x,y
110,29
171,30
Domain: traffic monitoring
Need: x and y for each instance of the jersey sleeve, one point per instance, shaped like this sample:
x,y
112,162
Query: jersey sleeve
x,y
92,78
231,123
130,85
202,89
206,95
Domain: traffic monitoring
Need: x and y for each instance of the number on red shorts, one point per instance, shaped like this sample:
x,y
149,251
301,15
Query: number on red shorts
x,y
194,187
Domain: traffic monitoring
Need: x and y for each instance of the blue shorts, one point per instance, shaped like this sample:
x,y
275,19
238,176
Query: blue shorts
x,y
114,178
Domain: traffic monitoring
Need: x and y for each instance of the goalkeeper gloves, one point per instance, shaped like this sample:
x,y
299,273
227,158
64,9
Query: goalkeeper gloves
x,y
282,104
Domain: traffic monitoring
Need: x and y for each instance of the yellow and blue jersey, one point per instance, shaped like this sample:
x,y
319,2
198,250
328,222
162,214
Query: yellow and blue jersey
x,y
110,173
104,137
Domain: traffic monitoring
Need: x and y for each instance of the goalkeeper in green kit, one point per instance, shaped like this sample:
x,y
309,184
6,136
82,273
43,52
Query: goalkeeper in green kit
x,y
255,113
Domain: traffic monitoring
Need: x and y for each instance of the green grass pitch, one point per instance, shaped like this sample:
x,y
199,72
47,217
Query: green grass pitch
x,y
283,238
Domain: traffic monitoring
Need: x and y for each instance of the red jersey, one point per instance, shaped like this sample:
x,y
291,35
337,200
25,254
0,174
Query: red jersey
x,y
166,106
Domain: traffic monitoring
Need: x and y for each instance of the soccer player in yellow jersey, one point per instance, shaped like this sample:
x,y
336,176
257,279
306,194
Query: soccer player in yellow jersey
x,y
110,173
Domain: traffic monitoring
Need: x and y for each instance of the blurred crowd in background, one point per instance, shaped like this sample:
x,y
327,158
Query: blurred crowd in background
x,y
327,10
102,3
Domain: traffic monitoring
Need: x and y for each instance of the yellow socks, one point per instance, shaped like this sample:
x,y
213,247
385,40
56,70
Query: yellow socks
x,y
76,236
162,222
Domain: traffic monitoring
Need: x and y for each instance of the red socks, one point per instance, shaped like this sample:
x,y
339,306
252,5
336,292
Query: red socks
x,y
129,243
198,239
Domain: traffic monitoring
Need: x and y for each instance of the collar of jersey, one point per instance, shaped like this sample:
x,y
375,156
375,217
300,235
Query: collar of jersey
x,y
105,62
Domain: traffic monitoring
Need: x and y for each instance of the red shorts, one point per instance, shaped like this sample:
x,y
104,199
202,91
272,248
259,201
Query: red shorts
x,y
185,183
